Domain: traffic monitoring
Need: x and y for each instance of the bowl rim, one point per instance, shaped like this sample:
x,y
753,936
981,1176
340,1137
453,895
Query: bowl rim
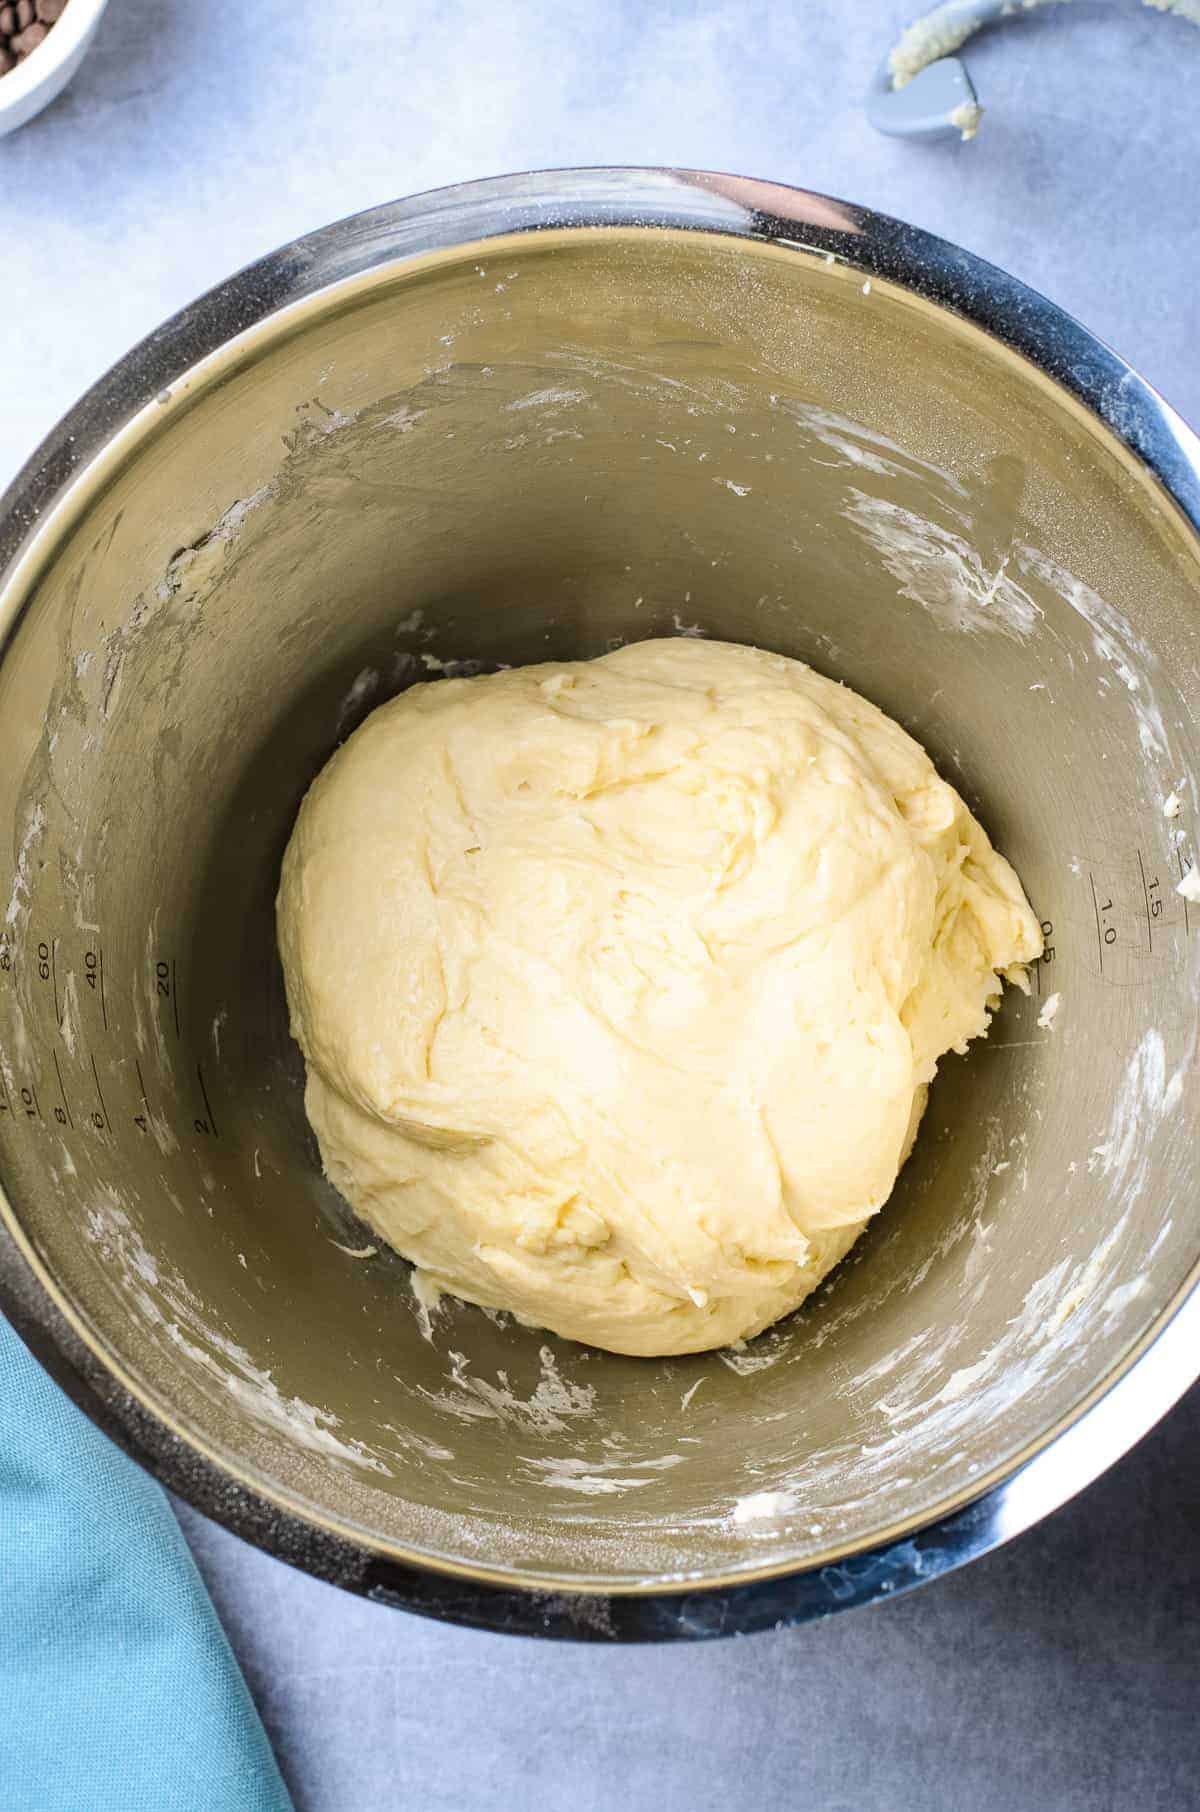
x,y
1155,1370
66,38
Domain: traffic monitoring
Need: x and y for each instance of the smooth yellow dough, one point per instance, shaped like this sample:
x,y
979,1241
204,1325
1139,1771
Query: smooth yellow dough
x,y
620,982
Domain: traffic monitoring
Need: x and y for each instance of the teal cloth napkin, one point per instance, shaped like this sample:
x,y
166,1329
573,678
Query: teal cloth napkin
x,y
118,1689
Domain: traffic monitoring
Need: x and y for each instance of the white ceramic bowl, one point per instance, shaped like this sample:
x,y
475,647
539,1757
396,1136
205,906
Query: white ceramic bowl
x,y
41,78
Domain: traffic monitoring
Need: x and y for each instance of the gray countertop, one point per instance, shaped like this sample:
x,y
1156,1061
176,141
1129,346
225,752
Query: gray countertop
x,y
1062,1672
1058,1675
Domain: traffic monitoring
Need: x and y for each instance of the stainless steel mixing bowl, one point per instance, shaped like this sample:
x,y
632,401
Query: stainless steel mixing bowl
x,y
534,418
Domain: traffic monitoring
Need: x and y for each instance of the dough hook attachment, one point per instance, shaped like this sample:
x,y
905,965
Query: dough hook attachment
x,y
922,90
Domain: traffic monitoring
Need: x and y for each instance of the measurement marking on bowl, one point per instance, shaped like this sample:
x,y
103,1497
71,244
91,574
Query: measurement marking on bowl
x,y
211,1124
166,988
65,1110
1153,906
1049,952
93,974
1185,868
1135,917
48,959
101,1122
1106,931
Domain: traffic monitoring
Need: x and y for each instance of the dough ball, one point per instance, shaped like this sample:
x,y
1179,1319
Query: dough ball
x,y
620,982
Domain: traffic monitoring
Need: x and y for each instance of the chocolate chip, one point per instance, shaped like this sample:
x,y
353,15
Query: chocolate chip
x,y
24,25
29,39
